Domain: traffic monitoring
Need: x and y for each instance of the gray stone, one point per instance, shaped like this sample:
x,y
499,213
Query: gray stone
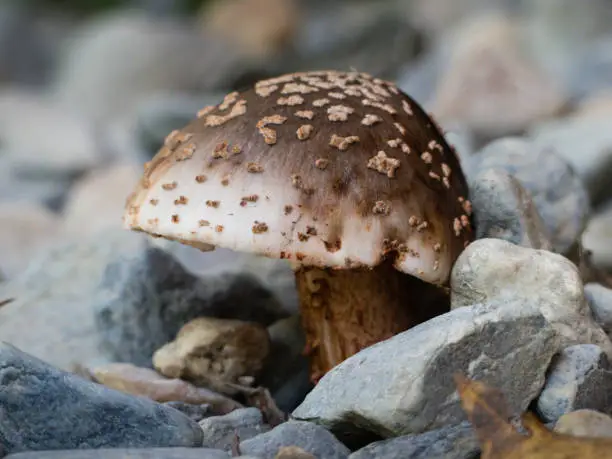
x,y
563,35
42,139
489,82
493,271
361,35
504,209
48,191
146,296
453,442
404,385
220,432
129,56
311,438
73,413
121,453
591,69
585,143
558,193
437,16
579,378
599,299
52,316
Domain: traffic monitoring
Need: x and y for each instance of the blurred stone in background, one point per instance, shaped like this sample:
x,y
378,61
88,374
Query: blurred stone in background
x,y
89,90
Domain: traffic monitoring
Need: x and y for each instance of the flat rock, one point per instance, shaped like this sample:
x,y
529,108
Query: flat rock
x,y
453,442
404,385
504,209
122,453
309,437
557,191
585,423
215,352
499,272
221,432
73,413
580,377
146,382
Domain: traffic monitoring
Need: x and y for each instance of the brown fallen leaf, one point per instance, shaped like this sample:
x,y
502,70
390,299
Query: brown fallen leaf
x,y
488,413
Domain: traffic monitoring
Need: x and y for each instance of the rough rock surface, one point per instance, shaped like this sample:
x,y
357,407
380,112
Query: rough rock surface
x,y
404,385
504,209
579,378
83,414
557,191
501,273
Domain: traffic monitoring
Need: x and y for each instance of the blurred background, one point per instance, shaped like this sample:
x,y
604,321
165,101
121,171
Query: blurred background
x,y
89,89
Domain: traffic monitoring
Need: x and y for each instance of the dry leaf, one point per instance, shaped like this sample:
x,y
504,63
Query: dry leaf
x,y
488,412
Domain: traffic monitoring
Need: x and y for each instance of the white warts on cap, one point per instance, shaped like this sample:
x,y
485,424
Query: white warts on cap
x,y
237,110
339,112
384,164
304,131
342,143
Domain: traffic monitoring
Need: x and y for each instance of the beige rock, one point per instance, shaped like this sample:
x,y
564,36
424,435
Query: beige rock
x,y
134,380
96,202
293,452
259,27
26,229
585,423
491,84
497,272
598,105
215,353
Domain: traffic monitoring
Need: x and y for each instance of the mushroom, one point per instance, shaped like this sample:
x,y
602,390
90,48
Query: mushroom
x,y
340,173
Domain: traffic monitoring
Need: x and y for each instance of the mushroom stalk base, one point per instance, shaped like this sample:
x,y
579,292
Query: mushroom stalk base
x,y
344,311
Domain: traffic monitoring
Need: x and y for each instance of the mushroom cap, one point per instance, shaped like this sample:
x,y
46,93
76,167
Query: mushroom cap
x,y
330,169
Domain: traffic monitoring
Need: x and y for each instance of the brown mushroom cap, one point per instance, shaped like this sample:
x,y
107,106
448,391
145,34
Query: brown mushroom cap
x,y
331,169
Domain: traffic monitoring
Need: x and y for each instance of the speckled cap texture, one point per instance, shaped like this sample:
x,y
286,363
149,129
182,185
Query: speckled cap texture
x,y
330,169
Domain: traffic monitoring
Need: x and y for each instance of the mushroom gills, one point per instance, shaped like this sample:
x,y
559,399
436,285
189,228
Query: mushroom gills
x,y
345,311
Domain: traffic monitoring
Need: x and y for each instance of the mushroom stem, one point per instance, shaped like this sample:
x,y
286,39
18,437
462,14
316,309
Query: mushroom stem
x,y
344,311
